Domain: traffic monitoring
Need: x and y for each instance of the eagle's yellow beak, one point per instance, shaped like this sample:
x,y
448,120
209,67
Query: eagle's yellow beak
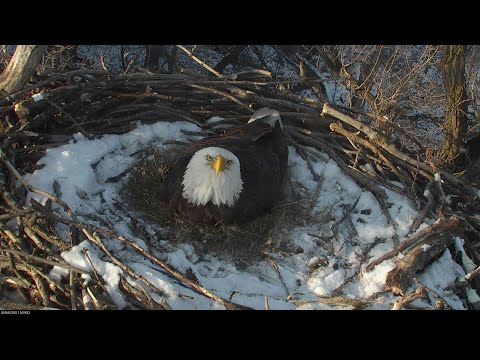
x,y
218,164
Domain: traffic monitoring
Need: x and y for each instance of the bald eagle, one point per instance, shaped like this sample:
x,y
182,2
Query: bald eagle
x,y
230,178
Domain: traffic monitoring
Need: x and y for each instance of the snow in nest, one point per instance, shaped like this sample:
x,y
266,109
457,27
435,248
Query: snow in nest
x,y
82,168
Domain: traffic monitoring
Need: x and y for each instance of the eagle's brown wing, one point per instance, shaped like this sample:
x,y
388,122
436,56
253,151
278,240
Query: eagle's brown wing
x,y
246,133
263,157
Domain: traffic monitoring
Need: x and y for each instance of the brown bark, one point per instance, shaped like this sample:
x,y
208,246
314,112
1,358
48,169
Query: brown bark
x,y
21,67
155,52
421,292
453,64
436,227
416,259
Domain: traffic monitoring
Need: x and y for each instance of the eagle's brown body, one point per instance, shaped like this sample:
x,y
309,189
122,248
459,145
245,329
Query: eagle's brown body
x,y
263,157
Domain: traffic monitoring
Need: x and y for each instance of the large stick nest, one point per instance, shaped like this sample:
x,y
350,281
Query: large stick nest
x,y
241,243
95,102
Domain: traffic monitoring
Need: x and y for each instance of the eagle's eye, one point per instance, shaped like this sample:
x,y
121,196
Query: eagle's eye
x,y
229,162
209,158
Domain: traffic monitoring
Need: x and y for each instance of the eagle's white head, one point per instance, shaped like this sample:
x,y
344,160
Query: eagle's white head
x,y
213,174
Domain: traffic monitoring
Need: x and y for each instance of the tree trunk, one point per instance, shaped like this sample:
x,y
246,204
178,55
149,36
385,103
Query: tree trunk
x,y
21,67
171,59
155,52
454,127
229,58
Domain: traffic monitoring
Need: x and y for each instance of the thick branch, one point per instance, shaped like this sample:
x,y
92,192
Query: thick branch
x,y
21,67
439,225
399,278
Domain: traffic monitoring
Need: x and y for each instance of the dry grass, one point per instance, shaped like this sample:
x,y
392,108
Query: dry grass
x,y
243,244
140,191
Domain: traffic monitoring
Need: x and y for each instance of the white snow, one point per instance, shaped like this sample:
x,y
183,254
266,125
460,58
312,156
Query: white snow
x,y
425,247
442,273
469,266
468,263
108,271
37,97
374,281
328,264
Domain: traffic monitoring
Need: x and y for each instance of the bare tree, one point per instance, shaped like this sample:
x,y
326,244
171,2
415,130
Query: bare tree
x,y
454,128
154,53
21,67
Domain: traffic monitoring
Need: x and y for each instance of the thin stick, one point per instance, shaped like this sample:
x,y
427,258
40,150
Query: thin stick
x,y
228,96
472,274
57,76
42,289
463,283
420,293
31,234
197,60
140,297
374,149
73,291
10,215
275,266
63,246
44,261
86,300
6,195
99,280
421,215
102,62
433,292
80,127
163,304
53,285
94,299
316,194
338,301
13,268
